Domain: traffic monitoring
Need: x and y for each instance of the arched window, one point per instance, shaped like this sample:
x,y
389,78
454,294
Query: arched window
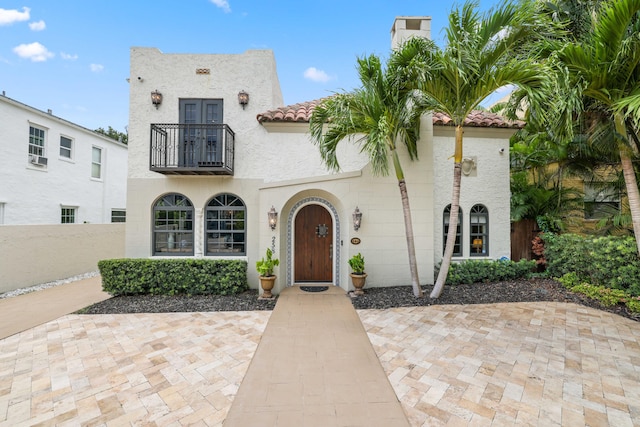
x,y
457,249
225,226
173,225
479,235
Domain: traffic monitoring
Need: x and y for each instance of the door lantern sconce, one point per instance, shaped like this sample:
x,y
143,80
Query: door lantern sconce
x,y
243,98
273,218
357,219
156,98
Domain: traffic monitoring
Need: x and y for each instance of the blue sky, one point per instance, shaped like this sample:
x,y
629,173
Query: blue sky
x,y
72,56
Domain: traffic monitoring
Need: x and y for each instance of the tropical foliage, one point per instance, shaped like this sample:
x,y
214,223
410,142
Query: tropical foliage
x,y
114,134
597,98
378,116
482,54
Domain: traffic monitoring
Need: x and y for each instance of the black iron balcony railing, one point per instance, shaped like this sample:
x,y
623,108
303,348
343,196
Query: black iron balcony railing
x,y
192,149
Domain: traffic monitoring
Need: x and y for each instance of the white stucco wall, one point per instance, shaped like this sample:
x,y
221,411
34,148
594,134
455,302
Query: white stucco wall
x,y
488,185
33,194
176,77
382,234
276,164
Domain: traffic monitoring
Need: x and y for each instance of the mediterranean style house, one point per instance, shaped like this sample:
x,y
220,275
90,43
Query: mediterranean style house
x,y
219,168
53,171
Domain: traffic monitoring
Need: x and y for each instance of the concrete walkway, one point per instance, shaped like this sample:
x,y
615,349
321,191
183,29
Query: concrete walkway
x,y
315,366
25,311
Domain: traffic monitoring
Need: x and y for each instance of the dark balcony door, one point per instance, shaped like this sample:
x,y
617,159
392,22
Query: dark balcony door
x,y
200,146
313,245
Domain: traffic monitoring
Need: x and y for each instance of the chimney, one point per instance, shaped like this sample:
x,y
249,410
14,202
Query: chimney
x,y
405,27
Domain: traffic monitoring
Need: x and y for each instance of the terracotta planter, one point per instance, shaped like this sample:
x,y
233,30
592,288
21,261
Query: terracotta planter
x,y
358,282
266,283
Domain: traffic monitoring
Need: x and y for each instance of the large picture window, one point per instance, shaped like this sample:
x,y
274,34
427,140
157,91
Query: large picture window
x,y
173,225
225,226
479,236
457,249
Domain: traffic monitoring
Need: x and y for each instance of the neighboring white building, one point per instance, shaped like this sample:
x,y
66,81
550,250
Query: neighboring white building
x,y
53,171
207,164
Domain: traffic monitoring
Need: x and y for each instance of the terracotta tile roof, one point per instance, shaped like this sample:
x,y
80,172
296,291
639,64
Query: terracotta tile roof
x,y
480,118
300,113
290,113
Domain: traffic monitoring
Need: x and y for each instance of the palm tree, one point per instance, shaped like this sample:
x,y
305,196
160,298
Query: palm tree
x,y
480,57
378,116
606,66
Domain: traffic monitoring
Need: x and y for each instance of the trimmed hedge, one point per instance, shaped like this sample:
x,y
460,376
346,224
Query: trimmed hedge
x,y
609,261
484,271
134,276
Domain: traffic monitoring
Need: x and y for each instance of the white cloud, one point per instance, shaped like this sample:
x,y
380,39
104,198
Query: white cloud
x,y
33,51
68,56
9,16
96,68
37,26
222,4
315,75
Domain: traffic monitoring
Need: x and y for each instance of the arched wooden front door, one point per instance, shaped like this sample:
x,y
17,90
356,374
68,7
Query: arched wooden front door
x,y
313,245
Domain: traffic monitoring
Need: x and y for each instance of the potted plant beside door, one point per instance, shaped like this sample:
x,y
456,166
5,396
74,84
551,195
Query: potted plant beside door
x,y
358,276
265,272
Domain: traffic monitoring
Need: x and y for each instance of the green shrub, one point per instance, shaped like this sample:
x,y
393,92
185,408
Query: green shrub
x,y
633,304
607,296
131,276
610,261
482,271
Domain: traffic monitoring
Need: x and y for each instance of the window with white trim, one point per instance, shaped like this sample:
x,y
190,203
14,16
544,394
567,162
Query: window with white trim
x,y
66,147
225,226
118,215
457,248
96,162
479,230
67,215
36,141
173,225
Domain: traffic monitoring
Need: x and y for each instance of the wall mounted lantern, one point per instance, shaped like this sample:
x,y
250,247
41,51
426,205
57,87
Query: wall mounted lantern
x,y
273,218
243,98
156,98
357,219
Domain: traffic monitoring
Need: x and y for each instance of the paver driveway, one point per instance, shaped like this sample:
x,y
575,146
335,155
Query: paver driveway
x,y
528,364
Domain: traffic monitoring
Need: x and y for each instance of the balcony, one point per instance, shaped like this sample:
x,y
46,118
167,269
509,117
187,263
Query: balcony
x,y
191,149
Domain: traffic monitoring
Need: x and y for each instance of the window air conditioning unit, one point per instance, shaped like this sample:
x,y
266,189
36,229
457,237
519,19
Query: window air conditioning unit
x,y
38,160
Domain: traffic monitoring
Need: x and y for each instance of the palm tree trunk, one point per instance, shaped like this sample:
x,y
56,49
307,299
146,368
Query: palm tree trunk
x,y
630,180
408,225
453,217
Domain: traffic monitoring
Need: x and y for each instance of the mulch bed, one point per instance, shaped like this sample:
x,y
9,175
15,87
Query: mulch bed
x,y
538,289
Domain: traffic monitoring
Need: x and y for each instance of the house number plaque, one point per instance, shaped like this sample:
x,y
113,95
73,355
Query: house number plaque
x,y
355,241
